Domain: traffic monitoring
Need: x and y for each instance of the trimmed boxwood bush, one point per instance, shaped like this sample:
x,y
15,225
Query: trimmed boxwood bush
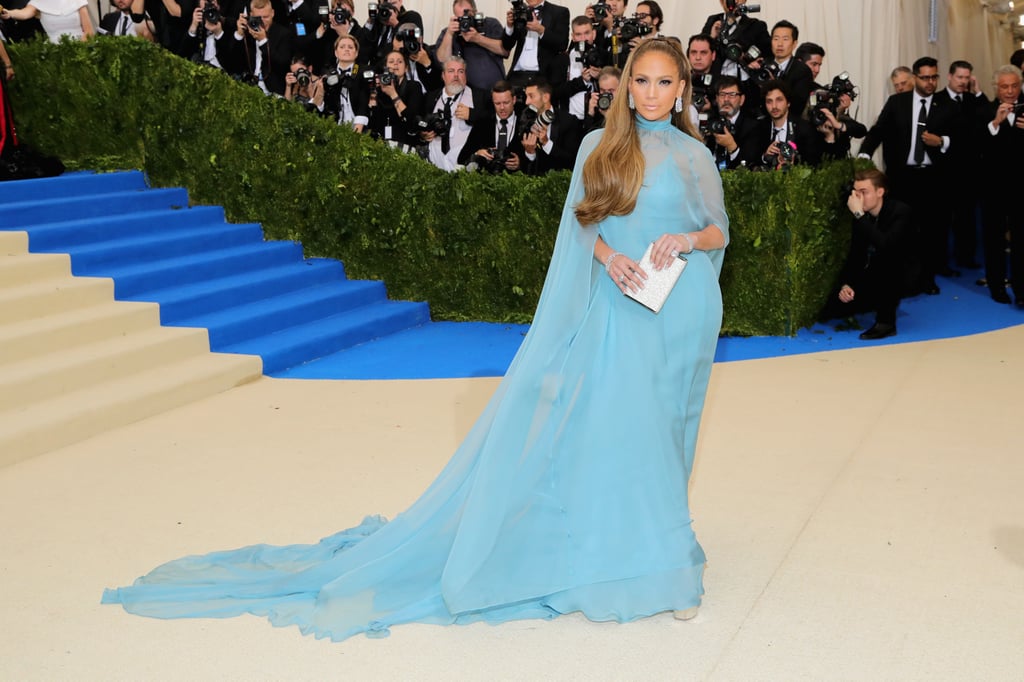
x,y
475,246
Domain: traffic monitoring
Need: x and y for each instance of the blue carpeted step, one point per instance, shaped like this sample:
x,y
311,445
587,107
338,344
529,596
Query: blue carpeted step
x,y
72,184
52,209
131,280
303,343
160,246
59,236
238,323
191,300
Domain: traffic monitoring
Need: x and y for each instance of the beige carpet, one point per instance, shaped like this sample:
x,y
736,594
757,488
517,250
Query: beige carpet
x,y
862,511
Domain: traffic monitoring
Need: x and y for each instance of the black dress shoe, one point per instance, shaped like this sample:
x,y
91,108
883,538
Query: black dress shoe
x,y
1000,296
948,272
879,331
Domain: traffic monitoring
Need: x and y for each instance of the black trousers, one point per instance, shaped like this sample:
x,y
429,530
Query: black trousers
x,y
921,187
875,289
1002,214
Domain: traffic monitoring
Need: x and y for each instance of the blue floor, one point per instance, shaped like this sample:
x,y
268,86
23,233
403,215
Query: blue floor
x,y
473,349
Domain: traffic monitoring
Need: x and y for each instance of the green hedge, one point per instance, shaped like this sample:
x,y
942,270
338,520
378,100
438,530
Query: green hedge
x,y
475,246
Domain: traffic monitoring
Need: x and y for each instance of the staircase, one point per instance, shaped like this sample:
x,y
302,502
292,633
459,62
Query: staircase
x,y
74,361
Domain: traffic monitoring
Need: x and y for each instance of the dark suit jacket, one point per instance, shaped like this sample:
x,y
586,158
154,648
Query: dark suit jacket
x,y
479,111
1001,155
403,126
965,146
553,43
372,51
276,60
749,31
564,134
484,136
748,136
193,48
894,127
810,145
302,25
878,247
358,94
800,80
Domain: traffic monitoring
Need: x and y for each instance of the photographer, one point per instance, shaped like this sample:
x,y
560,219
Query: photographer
x,y
261,51
395,104
732,135
339,21
600,101
790,71
650,14
346,92
871,278
551,138
813,56
303,22
493,144
536,33
424,68
476,41
701,53
736,32
608,17
382,27
128,19
828,110
204,41
786,139
585,62
451,113
303,87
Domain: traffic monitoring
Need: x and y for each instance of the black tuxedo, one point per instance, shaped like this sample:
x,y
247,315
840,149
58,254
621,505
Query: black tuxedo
x,y
564,133
1001,156
351,86
800,80
917,185
961,171
552,43
484,135
302,24
875,263
748,32
748,136
276,57
194,48
809,144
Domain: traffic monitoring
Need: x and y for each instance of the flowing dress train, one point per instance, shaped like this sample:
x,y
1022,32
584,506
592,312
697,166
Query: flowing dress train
x,y
570,491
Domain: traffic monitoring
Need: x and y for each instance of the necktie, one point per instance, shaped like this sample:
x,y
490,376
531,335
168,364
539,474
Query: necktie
x,y
922,122
124,25
446,143
503,135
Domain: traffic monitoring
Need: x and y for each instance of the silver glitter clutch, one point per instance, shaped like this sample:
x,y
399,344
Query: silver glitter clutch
x,y
659,282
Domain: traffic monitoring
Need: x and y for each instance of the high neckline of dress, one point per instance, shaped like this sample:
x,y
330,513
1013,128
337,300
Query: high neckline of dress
x,y
644,124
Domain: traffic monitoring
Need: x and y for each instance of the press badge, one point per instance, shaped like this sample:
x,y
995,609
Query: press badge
x,y
300,29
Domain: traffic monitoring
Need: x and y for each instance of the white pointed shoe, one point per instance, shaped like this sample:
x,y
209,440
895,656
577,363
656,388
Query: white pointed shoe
x,y
685,614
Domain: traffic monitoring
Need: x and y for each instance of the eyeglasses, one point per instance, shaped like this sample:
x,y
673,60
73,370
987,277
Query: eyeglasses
x,y
928,78
729,95
640,15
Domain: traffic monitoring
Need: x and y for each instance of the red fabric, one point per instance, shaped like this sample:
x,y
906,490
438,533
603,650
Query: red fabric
x,y
6,119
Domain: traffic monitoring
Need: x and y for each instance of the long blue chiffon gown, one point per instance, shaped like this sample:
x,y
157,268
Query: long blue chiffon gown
x,y
570,491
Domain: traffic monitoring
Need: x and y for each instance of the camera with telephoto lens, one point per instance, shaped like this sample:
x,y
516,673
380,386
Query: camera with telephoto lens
x,y
734,8
601,10
412,40
702,87
255,23
437,122
522,14
590,55
634,28
387,78
604,101
830,98
303,76
768,72
715,124
211,14
737,52
470,21
529,117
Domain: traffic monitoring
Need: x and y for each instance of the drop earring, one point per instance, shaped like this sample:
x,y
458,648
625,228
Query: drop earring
x,y
632,104
679,104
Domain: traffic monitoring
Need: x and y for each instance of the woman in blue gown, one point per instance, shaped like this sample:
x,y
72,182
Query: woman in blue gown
x,y
570,491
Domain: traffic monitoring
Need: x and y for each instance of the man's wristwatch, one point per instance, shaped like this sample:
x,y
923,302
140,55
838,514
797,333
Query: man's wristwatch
x,y
858,214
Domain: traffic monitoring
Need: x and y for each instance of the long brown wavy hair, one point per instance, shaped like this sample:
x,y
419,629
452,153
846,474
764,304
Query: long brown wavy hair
x,y
614,171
